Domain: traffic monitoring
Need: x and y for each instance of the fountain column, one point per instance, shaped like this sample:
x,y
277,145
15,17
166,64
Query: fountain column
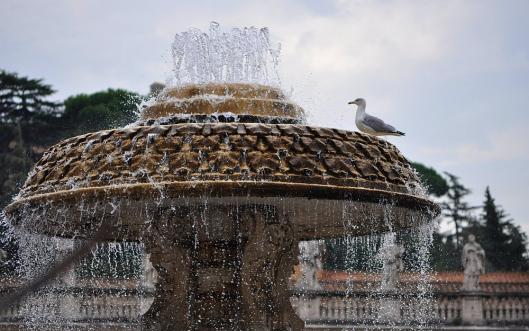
x,y
234,278
270,253
69,302
390,305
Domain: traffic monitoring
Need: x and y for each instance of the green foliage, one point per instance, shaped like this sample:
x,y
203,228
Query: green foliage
x,y
444,254
518,255
351,253
27,125
98,111
16,166
22,98
434,182
9,251
22,141
504,243
112,260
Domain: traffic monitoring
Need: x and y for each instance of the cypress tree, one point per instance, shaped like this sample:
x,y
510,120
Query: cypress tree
x,y
504,243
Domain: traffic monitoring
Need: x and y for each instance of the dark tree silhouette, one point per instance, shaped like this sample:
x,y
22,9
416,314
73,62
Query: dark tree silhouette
x,y
22,98
456,208
504,243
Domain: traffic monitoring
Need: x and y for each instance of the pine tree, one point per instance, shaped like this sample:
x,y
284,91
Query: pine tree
x,y
22,97
504,243
27,122
494,239
519,258
456,209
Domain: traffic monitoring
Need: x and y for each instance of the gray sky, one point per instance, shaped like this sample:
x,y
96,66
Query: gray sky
x,y
453,75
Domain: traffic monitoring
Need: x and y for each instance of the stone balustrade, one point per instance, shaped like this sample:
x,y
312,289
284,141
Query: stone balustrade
x,y
82,304
100,301
506,309
448,309
321,307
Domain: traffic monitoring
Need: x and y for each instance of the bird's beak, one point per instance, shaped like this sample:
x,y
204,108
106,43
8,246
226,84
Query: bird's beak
x,y
351,102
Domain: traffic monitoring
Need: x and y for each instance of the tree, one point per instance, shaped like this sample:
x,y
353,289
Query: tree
x,y
155,88
15,166
26,118
351,253
22,97
504,243
101,110
26,132
112,260
444,254
434,182
455,208
518,255
27,122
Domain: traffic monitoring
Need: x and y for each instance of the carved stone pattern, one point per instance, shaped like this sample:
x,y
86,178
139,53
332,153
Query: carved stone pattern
x,y
267,264
220,151
170,305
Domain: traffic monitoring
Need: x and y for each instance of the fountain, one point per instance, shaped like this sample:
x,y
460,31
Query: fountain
x,y
220,181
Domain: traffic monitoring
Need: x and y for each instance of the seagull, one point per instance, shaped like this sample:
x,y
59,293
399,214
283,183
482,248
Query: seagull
x,y
371,124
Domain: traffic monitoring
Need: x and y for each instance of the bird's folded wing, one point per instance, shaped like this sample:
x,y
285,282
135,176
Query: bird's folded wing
x,y
377,124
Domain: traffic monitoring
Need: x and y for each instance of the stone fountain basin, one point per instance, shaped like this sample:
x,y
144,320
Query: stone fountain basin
x,y
324,182
314,211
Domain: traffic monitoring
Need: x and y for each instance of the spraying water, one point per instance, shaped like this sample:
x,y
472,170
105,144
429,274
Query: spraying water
x,y
238,56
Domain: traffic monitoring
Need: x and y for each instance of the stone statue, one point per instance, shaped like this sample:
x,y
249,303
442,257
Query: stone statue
x,y
310,262
392,264
474,263
389,310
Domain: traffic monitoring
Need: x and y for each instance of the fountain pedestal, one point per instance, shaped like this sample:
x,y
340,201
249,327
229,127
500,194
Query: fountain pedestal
x,y
224,277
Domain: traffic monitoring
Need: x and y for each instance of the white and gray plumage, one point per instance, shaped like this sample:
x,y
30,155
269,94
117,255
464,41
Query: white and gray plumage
x,y
371,124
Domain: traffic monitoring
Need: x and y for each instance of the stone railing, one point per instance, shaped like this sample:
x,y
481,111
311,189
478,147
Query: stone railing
x,y
320,307
506,308
448,309
118,301
331,308
82,304
13,312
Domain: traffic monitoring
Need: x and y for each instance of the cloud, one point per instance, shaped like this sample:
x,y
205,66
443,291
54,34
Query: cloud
x,y
505,146
363,37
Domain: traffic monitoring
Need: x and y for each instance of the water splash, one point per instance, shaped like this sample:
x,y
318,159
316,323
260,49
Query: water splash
x,y
238,56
